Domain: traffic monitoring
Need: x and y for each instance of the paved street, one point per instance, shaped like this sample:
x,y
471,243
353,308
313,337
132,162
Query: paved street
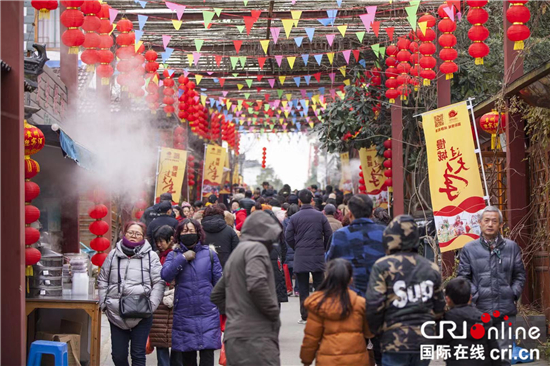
x,y
290,339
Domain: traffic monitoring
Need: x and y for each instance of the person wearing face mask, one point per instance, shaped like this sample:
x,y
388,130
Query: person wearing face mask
x,y
130,269
246,294
196,269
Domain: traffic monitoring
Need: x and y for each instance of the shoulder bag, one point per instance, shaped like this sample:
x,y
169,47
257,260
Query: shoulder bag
x,y
136,306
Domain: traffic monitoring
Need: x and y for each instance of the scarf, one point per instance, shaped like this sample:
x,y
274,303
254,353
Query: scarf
x,y
129,248
163,255
491,246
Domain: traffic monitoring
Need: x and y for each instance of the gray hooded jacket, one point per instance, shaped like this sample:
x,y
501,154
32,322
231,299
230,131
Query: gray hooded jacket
x,y
246,293
130,281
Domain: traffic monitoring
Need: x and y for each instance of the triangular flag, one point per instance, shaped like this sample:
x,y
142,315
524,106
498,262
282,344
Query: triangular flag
x,y
367,20
248,82
371,9
265,45
296,14
218,11
330,39
389,31
346,82
376,28
261,62
240,86
275,34
112,15
218,59
247,95
203,98
207,16
332,15
330,56
356,54
318,58
234,60
307,78
279,59
242,60
346,54
255,14
245,2
339,2
325,21
177,24
411,15
342,70
222,81
196,57
332,75
139,34
142,3
165,40
376,49
423,26
198,78
141,20
280,93
298,41
317,77
178,8
190,59
271,82
310,32
305,57
137,45
360,36
449,10
237,45
382,52
166,54
259,77
240,28
342,29
198,44
282,79
297,80
291,60
287,25
249,23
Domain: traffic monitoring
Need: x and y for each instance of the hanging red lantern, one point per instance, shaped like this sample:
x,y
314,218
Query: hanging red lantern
x,y
447,40
32,256
44,7
99,258
518,15
104,70
72,18
34,139
32,168
387,164
415,69
168,92
477,16
403,56
387,154
388,183
387,144
99,228
32,190
32,235
391,74
100,243
427,49
493,123
98,211
32,214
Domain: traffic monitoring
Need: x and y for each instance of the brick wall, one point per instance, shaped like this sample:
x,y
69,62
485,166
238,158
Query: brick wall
x,y
50,97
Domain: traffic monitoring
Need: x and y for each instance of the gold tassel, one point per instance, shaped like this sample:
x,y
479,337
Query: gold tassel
x,y
518,45
90,68
73,50
44,14
104,81
479,60
427,82
448,76
168,114
493,141
416,88
28,271
392,100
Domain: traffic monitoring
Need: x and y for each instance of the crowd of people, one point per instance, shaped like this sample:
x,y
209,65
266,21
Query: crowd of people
x,y
184,274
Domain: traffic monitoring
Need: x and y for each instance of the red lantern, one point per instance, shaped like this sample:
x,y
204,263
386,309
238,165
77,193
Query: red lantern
x,y
141,204
387,144
72,18
518,15
32,235
427,49
98,259
99,228
388,173
447,40
138,214
98,211
403,56
104,70
32,256
388,182
34,139
32,168
387,154
44,7
32,190
32,213
495,124
100,244
477,16
387,164
391,74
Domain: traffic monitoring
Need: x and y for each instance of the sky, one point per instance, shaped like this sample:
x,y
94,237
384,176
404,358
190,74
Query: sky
x,y
287,154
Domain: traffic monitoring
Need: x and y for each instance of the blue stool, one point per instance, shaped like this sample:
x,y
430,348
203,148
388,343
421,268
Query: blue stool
x,y
57,349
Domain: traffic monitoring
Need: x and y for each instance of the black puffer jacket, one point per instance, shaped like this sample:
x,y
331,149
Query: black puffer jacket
x,y
470,315
247,204
220,235
497,278
277,260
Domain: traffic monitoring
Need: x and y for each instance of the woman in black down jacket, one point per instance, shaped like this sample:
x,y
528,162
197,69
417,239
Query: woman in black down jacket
x,y
223,237
278,257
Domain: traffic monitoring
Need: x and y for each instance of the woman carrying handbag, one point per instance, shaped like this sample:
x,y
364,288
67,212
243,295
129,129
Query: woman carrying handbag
x,y
130,290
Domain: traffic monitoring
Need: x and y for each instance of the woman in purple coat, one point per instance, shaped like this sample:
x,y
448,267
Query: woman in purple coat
x,y
196,269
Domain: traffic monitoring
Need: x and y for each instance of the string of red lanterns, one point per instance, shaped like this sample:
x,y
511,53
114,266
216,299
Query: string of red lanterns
x,y
447,40
34,142
264,153
403,68
191,171
391,74
362,187
104,70
477,16
125,41
415,58
168,92
518,15
44,7
427,49
151,78
91,39
179,138
72,18
99,227
388,164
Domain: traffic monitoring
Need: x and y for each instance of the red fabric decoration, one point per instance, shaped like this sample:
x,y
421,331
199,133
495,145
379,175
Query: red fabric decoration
x,y
427,62
32,168
99,228
447,40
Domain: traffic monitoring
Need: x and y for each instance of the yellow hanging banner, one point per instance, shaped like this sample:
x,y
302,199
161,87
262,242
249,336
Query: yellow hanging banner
x,y
455,183
170,172
373,175
213,169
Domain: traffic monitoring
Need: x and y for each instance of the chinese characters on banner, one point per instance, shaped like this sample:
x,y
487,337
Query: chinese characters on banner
x,y
171,169
213,170
373,174
345,180
455,183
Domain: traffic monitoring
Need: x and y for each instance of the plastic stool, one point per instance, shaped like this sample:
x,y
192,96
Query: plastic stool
x,y
57,349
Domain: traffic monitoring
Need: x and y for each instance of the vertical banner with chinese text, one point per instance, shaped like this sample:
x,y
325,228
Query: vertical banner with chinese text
x,y
171,170
455,183
214,162
345,181
373,174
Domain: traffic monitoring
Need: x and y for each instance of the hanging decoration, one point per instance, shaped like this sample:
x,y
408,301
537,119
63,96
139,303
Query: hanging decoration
x,y
168,92
137,73
99,227
215,126
125,51
104,70
388,164
140,206
191,171
151,80
477,16
72,18
415,58
263,157
518,15
495,124
188,103
391,74
44,7
362,187
403,68
34,142
91,39
447,40
427,49
179,138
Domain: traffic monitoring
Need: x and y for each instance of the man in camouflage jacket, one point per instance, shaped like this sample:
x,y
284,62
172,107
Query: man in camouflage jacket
x,y
404,291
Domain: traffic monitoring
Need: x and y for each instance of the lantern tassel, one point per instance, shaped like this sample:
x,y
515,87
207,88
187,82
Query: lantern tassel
x,y
73,50
519,45
392,101
448,76
44,14
479,61
426,82
28,271
90,68
104,81
495,142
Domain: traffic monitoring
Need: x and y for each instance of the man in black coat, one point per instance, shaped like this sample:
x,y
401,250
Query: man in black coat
x,y
164,217
308,233
218,233
247,202
151,213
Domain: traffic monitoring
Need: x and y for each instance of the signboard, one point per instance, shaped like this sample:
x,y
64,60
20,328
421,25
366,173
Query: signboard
x,y
170,172
345,181
214,162
455,183
373,174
